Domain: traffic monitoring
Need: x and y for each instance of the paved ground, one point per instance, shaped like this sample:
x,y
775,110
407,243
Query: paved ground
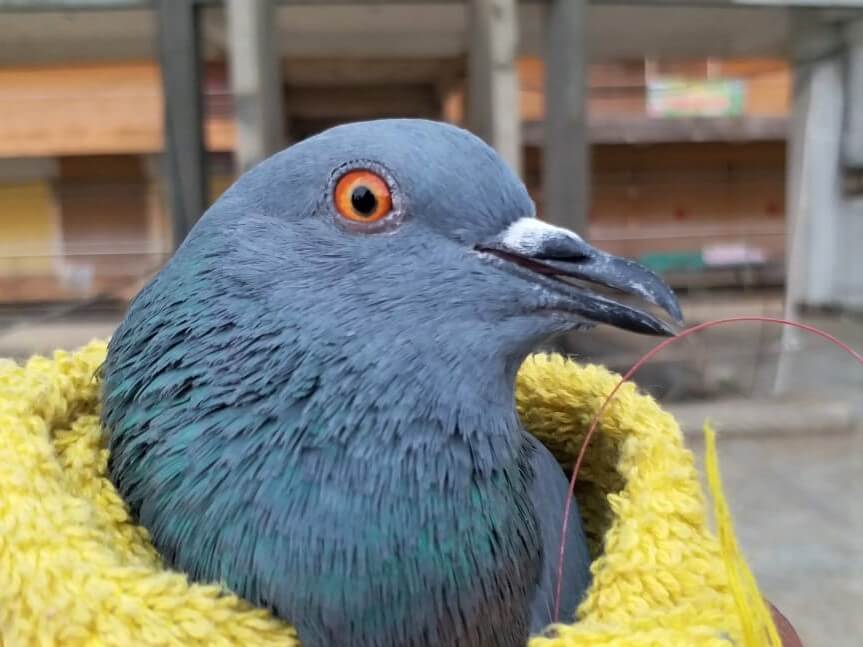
x,y
796,502
793,465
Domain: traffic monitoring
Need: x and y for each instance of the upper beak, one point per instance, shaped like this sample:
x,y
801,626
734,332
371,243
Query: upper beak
x,y
557,254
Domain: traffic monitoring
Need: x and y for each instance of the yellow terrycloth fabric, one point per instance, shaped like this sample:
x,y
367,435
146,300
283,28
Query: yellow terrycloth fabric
x,y
76,570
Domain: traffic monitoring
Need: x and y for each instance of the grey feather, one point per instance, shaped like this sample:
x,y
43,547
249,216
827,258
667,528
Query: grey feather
x,y
548,495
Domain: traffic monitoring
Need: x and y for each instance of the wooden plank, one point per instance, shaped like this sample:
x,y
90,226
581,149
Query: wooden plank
x,y
628,129
75,109
89,109
369,71
769,94
692,69
614,89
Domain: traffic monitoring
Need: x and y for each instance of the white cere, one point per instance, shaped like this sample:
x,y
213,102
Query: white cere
x,y
527,235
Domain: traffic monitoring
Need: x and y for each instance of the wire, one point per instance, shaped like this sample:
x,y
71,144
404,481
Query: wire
x,y
628,375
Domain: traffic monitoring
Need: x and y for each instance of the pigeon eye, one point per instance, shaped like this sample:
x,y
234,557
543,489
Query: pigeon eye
x,y
362,196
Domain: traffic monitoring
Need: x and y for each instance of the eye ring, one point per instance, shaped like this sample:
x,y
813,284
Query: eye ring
x,y
389,210
362,196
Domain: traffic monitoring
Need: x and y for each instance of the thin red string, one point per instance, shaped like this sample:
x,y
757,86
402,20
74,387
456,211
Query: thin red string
x,y
635,367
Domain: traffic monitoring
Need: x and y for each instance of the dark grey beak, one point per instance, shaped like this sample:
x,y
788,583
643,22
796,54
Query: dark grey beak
x,y
554,255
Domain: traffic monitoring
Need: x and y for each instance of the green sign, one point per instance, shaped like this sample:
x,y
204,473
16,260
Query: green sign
x,y
680,98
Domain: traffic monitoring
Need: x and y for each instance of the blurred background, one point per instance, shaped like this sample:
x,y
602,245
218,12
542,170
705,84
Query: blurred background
x,y
719,142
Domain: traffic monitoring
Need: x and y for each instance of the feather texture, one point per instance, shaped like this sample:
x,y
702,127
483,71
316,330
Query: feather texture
x,y
325,421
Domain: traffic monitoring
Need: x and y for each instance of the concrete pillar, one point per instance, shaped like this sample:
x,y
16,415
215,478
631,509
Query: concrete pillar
x,y
849,280
493,90
823,260
255,81
566,176
826,136
814,182
853,152
185,159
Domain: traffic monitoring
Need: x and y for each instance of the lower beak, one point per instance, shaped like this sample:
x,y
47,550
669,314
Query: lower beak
x,y
555,255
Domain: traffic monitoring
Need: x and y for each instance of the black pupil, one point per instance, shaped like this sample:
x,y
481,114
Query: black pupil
x,y
363,200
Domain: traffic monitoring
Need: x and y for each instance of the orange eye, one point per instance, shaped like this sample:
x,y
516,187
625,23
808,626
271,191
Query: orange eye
x,y
362,196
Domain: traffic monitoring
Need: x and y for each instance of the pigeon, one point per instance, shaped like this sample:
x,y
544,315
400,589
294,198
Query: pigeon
x,y
312,403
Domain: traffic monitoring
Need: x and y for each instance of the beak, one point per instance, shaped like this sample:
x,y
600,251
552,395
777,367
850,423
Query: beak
x,y
553,255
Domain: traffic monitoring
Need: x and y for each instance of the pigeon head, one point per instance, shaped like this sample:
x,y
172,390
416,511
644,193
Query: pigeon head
x,y
411,231
313,400
393,264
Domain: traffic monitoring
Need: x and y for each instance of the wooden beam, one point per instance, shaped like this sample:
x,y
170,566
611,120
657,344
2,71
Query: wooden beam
x,y
181,66
345,72
565,160
493,93
636,130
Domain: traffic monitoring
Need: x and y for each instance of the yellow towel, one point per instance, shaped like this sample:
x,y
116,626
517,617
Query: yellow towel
x,y
76,570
